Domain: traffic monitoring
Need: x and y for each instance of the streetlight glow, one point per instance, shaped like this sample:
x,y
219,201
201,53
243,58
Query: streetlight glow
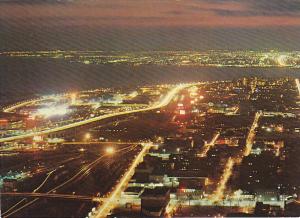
x,y
87,136
109,150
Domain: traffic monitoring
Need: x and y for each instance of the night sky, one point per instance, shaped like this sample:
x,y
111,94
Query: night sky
x,y
149,24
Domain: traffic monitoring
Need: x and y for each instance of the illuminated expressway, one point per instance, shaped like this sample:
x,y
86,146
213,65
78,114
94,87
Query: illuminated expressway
x,y
165,101
25,103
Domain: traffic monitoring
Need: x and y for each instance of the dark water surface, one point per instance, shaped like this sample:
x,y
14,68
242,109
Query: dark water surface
x,y
46,76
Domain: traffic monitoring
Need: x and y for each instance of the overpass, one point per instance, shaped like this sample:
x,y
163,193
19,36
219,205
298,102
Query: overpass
x,y
165,101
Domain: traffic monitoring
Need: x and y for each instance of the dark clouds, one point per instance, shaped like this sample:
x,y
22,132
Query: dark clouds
x,y
149,24
262,8
276,6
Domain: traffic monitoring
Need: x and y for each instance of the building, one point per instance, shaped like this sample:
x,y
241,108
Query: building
x,y
191,184
154,201
266,210
133,191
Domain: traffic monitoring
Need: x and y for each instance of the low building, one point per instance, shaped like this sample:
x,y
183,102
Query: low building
x,y
133,191
191,184
154,201
267,195
267,210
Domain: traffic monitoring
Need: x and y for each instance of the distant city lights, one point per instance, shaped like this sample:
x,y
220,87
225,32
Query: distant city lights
x,y
73,98
133,94
37,138
282,60
182,112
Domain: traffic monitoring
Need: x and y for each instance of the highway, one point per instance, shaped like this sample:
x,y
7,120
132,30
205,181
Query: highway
x,y
165,101
17,105
111,200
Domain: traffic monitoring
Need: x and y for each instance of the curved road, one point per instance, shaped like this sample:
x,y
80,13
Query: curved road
x,y
165,101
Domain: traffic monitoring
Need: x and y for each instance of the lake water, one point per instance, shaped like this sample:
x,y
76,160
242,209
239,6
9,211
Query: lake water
x,y
45,76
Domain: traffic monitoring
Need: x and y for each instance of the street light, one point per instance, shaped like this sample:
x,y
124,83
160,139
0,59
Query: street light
x,y
87,136
81,149
109,150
